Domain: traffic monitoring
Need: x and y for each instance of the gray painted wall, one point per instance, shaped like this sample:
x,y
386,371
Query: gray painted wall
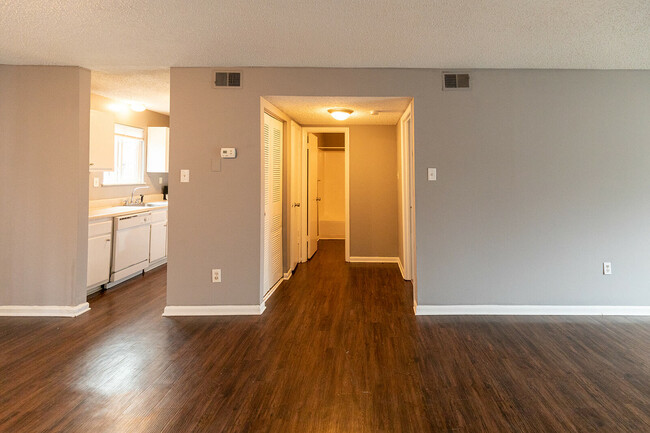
x,y
543,175
44,124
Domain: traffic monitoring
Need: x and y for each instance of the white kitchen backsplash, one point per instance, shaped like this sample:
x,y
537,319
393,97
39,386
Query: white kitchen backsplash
x,y
119,201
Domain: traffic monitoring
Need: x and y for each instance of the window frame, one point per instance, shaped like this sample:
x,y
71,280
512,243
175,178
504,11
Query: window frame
x,y
121,131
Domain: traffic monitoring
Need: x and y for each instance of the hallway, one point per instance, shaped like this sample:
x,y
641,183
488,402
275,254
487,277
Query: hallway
x,y
337,350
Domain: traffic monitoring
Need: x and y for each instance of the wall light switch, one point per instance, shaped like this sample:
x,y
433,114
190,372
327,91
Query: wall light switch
x,y
432,174
160,181
607,268
228,152
185,175
95,182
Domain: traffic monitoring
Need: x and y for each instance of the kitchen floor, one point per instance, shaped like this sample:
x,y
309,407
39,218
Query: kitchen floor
x,y
337,350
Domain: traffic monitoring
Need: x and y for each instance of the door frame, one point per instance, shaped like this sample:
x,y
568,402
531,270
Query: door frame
x,y
306,130
267,108
407,155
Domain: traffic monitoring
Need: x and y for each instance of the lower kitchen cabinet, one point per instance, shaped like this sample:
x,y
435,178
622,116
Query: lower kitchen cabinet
x,y
158,238
100,247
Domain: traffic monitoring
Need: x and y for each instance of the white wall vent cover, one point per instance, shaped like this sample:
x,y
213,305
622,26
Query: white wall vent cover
x,y
227,79
455,81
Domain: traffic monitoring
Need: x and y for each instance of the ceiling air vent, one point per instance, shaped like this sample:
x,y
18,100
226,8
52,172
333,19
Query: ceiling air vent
x,y
455,81
227,79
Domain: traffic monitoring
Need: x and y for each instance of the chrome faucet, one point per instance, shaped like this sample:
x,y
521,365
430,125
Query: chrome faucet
x,y
131,202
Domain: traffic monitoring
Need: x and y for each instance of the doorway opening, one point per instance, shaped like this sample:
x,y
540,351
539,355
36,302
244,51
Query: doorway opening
x,y
326,187
348,181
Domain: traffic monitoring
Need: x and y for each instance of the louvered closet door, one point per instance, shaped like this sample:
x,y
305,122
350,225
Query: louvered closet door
x,y
272,201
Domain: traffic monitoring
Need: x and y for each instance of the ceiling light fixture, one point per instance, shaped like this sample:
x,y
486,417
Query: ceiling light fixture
x,y
118,108
340,113
137,107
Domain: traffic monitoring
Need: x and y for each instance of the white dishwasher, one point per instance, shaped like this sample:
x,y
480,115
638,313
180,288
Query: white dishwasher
x,y
131,245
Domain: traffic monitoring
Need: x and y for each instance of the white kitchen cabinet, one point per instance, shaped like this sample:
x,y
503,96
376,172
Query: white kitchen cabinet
x,y
158,238
102,141
158,149
99,253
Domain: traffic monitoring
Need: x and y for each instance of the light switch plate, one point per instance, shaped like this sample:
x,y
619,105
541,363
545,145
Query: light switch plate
x,y
96,182
432,174
185,176
160,181
228,152
607,268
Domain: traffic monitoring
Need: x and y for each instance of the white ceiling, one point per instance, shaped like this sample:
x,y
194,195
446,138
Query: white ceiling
x,y
144,35
312,110
150,88
149,34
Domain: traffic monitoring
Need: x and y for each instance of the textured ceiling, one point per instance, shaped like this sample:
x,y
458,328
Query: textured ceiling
x,y
312,110
150,88
148,34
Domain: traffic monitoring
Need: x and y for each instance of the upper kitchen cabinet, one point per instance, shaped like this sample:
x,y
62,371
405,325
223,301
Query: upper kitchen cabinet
x,y
102,142
158,149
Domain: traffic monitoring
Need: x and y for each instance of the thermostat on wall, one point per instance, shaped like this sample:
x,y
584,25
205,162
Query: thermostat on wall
x,y
228,152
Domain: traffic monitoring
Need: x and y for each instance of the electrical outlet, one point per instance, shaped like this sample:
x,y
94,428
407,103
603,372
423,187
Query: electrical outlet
x,y
216,275
607,268
185,175
96,182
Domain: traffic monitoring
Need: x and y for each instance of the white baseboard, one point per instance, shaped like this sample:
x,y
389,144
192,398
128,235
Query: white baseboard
x,y
401,268
268,294
155,265
360,259
44,310
532,310
214,310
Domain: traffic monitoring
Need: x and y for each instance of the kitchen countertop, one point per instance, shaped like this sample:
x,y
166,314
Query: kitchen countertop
x,y
110,212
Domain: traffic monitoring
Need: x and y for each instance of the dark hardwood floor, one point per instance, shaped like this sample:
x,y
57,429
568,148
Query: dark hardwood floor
x,y
337,350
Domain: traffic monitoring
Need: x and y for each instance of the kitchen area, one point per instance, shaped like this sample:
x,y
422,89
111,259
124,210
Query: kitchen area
x,y
128,196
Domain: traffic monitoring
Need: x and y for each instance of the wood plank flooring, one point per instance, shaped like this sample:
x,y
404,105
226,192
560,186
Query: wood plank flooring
x,y
337,350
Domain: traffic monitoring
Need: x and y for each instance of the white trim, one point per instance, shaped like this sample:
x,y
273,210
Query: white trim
x,y
272,290
401,268
359,259
267,108
532,310
214,310
44,310
288,275
306,130
156,264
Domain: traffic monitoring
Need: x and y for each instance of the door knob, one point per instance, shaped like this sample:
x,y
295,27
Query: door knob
x,y
317,198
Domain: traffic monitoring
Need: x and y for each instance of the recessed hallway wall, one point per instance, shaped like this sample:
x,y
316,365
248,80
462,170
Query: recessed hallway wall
x,y
542,176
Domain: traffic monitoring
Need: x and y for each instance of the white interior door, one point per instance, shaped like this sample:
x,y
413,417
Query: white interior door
x,y
273,138
295,194
312,194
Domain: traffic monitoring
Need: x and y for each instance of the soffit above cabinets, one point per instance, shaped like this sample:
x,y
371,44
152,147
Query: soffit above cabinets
x,y
312,110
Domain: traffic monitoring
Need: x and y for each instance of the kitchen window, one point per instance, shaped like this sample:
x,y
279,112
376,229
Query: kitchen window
x,y
129,157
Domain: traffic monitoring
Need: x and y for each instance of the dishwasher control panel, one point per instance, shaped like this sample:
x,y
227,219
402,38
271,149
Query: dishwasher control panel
x,y
127,221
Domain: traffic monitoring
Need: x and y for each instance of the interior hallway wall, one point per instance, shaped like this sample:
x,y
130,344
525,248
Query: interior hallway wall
x,y
331,175
44,129
142,120
542,176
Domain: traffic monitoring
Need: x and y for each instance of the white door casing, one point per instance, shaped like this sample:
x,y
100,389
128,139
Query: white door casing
x,y
312,192
273,138
295,195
